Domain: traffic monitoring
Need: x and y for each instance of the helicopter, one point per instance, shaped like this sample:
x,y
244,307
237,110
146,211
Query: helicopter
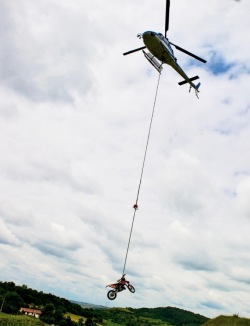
x,y
160,52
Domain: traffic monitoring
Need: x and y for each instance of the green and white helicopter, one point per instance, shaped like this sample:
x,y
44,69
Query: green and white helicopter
x,y
160,52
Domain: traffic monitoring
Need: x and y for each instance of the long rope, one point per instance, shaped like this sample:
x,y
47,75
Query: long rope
x,y
143,164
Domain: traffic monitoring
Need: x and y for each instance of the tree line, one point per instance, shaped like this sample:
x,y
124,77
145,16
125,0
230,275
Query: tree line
x,y
13,297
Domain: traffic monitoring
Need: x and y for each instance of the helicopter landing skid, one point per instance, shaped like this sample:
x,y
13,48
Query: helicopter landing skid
x,y
154,62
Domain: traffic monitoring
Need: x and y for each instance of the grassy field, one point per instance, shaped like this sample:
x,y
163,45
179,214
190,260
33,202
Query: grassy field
x,y
143,320
228,321
134,319
140,321
152,322
22,320
109,323
75,317
12,320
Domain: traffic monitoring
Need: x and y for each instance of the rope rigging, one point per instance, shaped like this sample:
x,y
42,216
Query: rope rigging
x,y
142,170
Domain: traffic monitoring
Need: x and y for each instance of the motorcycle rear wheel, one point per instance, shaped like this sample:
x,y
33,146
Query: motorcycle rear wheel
x,y
131,288
111,295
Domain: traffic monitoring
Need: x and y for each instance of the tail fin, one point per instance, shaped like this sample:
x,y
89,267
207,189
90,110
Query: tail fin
x,y
189,80
197,89
197,86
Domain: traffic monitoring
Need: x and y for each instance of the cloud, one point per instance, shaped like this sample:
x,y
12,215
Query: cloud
x,y
217,65
186,185
42,58
213,305
196,264
7,237
242,206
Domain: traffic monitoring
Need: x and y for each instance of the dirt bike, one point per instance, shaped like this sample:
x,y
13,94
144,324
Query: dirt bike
x,y
119,287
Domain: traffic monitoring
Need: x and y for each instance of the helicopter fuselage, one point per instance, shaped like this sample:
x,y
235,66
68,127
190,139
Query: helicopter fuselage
x,y
160,47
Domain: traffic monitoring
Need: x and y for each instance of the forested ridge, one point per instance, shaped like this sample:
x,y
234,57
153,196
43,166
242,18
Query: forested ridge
x,y
54,309
13,297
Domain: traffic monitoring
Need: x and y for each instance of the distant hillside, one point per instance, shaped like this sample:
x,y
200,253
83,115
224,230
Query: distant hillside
x,y
228,321
171,315
88,305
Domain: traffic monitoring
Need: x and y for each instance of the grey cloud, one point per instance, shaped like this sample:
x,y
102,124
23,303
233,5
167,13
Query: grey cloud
x,y
18,217
8,237
242,279
52,250
245,111
213,305
57,247
219,285
53,172
63,176
196,265
242,173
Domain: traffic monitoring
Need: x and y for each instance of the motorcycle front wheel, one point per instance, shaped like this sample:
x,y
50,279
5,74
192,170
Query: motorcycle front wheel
x,y
131,288
111,295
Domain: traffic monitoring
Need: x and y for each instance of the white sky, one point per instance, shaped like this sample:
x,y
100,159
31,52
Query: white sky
x,y
74,117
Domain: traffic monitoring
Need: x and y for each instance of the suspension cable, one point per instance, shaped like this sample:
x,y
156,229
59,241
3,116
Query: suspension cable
x,y
142,170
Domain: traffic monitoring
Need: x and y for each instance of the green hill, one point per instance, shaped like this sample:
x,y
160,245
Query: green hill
x,y
228,321
174,316
10,320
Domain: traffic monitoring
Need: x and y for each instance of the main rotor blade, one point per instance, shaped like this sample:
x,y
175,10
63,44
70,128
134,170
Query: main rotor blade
x,y
167,17
189,53
135,50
